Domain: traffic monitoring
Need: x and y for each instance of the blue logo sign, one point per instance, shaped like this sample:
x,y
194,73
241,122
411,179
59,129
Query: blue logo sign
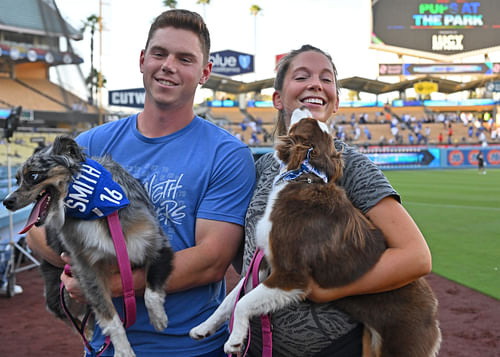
x,y
231,63
244,61
493,86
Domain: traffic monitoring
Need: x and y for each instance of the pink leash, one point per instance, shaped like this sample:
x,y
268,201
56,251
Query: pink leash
x,y
265,320
129,308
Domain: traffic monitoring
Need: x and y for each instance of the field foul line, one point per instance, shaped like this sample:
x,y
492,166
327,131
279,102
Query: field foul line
x,y
451,206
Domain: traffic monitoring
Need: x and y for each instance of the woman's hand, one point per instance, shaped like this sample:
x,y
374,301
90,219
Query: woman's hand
x,y
318,294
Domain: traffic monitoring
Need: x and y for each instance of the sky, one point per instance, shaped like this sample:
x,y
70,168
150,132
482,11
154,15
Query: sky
x,y
337,26
340,27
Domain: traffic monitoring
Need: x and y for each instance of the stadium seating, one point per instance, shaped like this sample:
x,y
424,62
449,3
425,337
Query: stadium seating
x,y
377,123
39,94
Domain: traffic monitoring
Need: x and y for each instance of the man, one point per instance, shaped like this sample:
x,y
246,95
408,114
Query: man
x,y
199,177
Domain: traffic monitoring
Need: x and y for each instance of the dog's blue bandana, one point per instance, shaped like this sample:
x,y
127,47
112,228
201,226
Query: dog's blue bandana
x,y
305,167
93,194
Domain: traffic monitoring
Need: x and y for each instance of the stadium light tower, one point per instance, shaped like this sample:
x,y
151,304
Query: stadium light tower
x,y
254,11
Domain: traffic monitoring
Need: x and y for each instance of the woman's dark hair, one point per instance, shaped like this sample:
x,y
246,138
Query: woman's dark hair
x,y
281,71
185,20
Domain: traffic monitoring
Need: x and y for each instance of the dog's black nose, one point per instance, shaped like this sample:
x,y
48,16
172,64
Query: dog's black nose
x,y
9,202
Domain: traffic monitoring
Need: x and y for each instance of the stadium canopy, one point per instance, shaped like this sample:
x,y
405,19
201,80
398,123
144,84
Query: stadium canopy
x,y
444,85
226,84
38,18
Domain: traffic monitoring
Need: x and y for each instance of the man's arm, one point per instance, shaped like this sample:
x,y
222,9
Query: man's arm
x,y
37,241
216,246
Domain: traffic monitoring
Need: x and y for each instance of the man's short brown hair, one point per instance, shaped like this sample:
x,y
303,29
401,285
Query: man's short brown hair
x,y
185,20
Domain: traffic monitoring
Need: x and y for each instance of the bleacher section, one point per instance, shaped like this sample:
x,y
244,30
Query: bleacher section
x,y
22,145
58,94
240,124
373,114
39,94
377,123
16,94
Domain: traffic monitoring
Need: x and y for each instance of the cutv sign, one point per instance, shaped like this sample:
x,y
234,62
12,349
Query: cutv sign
x,y
231,63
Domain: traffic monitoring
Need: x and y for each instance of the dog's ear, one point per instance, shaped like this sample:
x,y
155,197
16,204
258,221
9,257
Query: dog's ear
x,y
298,154
291,151
65,145
325,157
283,148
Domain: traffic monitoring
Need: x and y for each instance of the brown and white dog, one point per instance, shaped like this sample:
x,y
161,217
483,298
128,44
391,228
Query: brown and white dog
x,y
311,232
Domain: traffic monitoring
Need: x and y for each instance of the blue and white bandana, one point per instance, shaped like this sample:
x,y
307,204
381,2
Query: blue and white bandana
x,y
93,194
305,167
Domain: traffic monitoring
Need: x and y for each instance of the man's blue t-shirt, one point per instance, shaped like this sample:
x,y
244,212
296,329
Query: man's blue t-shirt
x,y
200,171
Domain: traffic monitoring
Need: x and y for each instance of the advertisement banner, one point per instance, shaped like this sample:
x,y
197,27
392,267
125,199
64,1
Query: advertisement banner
x,y
468,157
230,63
127,97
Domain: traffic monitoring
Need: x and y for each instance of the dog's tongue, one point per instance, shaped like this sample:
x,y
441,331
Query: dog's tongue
x,y
39,208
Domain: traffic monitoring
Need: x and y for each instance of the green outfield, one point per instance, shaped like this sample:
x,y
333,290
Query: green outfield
x,y
459,213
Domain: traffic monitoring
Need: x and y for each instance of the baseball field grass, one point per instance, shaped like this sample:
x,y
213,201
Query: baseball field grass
x,y
458,211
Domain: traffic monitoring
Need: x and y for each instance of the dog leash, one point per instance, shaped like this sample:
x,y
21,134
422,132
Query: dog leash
x,y
129,308
267,338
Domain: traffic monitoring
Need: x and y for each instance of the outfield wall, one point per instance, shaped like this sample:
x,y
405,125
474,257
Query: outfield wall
x,y
424,157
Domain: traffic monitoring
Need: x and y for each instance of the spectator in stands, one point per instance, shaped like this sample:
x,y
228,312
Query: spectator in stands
x,y
367,132
427,134
319,327
205,174
450,133
411,138
494,134
394,131
357,132
482,138
258,123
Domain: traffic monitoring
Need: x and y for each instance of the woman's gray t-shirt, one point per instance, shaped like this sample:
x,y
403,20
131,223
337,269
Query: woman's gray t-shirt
x,y
306,328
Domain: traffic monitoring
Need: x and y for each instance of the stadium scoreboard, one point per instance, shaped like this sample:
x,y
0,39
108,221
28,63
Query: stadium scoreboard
x,y
436,27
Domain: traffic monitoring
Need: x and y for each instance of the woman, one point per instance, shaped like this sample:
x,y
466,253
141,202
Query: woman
x,y
308,77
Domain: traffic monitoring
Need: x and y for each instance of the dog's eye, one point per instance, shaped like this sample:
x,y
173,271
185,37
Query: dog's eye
x,y
32,177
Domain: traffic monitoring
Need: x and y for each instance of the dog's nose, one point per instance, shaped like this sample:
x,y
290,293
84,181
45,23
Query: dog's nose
x,y
9,202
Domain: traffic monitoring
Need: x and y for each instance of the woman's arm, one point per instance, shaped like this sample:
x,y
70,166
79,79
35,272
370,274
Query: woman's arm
x,y
406,259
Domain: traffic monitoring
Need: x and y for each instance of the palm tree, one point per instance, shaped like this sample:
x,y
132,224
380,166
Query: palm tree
x,y
170,3
93,82
91,22
205,3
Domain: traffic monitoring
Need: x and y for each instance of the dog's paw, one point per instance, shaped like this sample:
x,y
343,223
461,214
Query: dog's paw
x,y
200,332
159,321
232,347
124,353
236,338
156,310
